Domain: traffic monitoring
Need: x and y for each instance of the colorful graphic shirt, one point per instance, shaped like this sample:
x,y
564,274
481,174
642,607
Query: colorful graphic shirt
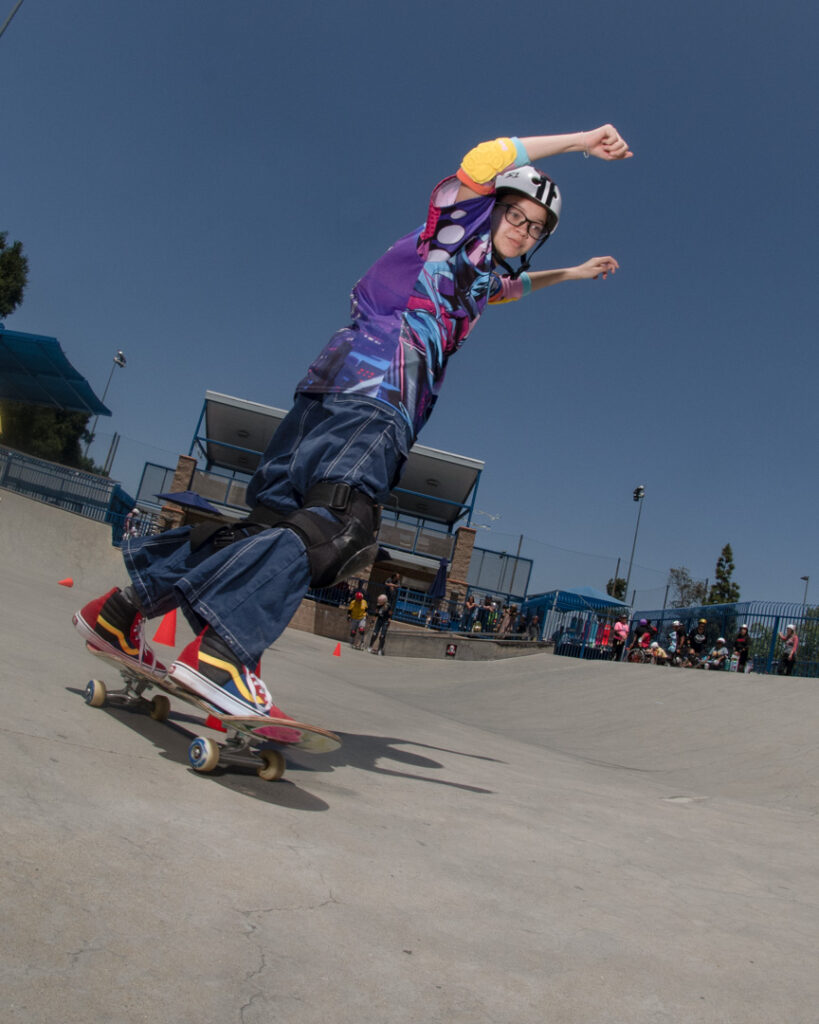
x,y
415,307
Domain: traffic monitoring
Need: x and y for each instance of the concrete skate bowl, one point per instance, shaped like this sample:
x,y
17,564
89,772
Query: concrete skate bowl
x,y
701,734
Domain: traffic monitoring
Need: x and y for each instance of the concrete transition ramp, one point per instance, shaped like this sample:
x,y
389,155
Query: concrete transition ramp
x,y
516,842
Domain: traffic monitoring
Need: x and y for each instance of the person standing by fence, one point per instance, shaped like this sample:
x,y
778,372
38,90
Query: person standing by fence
x,y
742,645
790,645
620,637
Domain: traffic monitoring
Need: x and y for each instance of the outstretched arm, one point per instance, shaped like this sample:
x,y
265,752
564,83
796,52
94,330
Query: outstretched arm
x,y
598,266
507,289
604,142
483,163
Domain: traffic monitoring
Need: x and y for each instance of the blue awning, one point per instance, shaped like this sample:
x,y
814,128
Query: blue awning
x,y
577,600
34,369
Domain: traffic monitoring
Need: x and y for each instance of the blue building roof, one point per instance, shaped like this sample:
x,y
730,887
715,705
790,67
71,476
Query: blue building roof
x,y
577,600
34,369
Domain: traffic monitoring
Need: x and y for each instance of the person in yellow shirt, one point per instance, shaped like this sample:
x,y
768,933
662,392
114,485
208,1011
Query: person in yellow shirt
x,y
357,617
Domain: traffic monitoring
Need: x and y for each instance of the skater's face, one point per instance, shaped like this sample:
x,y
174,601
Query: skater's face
x,y
515,239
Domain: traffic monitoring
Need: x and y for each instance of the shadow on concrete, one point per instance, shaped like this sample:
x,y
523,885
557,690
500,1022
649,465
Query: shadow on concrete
x,y
365,752
173,737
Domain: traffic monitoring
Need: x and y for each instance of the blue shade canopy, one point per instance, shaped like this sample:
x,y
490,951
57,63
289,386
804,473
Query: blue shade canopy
x,y
34,369
190,499
579,599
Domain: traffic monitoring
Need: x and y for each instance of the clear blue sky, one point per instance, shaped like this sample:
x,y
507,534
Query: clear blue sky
x,y
200,184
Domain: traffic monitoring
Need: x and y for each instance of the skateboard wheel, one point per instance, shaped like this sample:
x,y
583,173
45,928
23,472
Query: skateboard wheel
x,y
273,767
160,708
95,693
203,754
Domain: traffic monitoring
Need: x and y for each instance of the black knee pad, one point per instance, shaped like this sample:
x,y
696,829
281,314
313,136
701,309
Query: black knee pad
x,y
336,548
340,547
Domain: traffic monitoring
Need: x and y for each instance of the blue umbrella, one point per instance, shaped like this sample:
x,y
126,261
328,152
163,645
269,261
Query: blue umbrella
x,y
438,588
190,499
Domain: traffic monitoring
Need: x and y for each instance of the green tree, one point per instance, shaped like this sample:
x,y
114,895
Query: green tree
x,y
724,590
685,591
616,588
13,275
47,433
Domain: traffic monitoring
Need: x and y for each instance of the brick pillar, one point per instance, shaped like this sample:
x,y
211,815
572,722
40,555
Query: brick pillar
x,y
461,557
172,516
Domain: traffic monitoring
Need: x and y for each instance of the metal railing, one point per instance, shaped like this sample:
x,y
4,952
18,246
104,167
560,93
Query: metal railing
x,y
766,622
73,489
414,607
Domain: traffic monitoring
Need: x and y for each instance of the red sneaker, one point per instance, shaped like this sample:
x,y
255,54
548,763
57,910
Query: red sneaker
x,y
208,668
113,625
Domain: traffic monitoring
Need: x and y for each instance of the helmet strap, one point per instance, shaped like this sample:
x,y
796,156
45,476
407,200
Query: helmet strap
x,y
525,261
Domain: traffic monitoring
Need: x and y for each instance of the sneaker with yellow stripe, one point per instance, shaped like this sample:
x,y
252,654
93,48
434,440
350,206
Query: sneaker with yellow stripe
x,y
113,624
208,668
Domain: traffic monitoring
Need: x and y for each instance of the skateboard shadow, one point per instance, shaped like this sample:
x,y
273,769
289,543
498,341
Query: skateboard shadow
x,y
366,752
173,737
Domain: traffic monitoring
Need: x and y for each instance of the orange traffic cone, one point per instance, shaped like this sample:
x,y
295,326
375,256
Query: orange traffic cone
x,y
337,651
67,582
166,632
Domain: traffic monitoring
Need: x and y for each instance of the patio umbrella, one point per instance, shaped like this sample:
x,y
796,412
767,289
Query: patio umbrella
x,y
438,588
190,499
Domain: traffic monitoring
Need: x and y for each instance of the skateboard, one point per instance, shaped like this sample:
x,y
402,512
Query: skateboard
x,y
248,737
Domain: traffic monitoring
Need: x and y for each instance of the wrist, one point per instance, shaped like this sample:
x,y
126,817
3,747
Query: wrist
x,y
586,143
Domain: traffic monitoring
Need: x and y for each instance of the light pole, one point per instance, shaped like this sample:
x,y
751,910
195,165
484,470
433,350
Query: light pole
x,y
639,494
7,22
119,360
807,581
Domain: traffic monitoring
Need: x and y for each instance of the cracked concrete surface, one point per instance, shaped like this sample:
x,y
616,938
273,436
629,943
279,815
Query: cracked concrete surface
x,y
525,841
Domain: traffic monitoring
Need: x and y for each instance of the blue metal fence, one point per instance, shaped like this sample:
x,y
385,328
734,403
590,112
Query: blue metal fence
x,y
766,622
84,494
417,608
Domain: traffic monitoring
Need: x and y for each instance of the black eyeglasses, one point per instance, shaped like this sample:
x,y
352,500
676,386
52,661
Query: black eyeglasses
x,y
534,228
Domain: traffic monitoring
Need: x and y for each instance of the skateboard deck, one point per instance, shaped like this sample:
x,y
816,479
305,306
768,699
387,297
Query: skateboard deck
x,y
249,737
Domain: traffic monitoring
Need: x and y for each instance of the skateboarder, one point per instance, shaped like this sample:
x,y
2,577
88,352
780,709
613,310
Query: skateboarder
x,y
383,614
357,617
340,449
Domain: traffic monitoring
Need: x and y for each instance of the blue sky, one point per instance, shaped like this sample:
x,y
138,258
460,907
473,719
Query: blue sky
x,y
201,183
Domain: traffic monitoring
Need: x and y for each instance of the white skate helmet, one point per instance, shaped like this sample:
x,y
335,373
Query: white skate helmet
x,y
535,185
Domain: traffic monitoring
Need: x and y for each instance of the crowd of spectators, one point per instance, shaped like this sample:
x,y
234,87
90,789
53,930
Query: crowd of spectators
x,y
679,645
503,620
690,648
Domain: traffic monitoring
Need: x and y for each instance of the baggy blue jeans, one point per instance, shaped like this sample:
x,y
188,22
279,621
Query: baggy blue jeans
x,y
249,591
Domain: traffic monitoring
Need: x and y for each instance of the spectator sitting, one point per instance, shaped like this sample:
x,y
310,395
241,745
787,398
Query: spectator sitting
x,y
658,655
718,655
676,639
642,635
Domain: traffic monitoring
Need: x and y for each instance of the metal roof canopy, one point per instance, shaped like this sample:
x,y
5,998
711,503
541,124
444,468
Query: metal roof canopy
x,y
34,369
579,599
434,485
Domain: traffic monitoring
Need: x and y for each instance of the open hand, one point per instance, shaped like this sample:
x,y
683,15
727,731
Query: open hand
x,y
597,266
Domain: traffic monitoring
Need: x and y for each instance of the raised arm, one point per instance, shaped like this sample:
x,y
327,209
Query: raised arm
x,y
604,142
486,161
